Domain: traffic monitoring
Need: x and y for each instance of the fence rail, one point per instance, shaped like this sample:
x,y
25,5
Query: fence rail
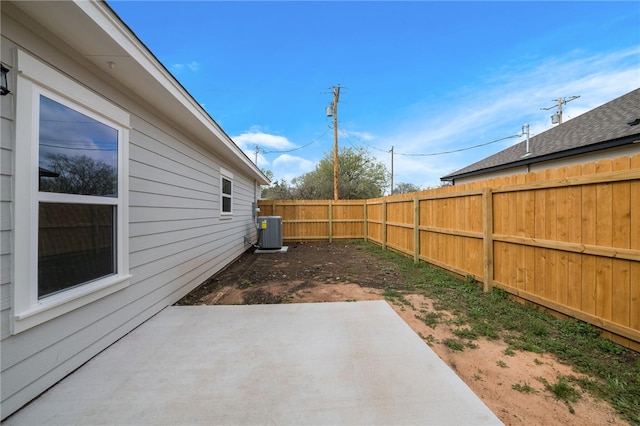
x,y
567,239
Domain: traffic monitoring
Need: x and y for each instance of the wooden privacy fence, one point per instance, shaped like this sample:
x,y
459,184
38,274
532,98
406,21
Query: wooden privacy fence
x,y
567,239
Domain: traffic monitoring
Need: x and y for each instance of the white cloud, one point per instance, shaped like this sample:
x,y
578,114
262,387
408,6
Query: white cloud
x,y
284,166
363,136
290,166
191,66
250,139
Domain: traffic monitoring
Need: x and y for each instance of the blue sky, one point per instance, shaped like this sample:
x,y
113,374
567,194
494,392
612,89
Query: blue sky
x,y
424,77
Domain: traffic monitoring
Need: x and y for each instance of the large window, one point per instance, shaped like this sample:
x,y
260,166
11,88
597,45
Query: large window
x,y
78,157
71,205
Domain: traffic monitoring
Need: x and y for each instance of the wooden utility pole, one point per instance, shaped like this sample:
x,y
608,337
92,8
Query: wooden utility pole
x,y
391,193
557,117
336,97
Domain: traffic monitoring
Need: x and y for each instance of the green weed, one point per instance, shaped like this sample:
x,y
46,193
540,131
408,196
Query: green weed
x,y
430,339
509,352
523,388
454,344
396,297
430,319
562,390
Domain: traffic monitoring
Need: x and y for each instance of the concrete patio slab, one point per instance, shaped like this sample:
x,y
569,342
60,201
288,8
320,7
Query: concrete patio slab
x,y
291,364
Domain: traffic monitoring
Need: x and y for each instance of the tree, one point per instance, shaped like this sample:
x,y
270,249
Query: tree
x,y
278,190
267,173
79,174
360,176
405,188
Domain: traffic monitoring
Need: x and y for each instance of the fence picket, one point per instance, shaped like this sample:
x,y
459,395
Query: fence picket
x,y
567,238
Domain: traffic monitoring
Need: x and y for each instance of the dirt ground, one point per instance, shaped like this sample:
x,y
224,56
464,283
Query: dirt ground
x,y
337,272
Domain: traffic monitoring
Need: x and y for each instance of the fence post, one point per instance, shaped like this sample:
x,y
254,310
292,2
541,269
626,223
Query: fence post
x,y
384,224
330,221
365,226
487,238
416,230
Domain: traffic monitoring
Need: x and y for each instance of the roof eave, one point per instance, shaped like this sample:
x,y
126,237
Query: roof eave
x,y
137,70
615,143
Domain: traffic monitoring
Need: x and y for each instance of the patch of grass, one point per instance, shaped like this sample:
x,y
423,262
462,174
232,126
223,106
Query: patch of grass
x,y
288,298
454,344
523,388
523,327
459,321
396,297
430,339
430,319
537,361
500,363
487,330
562,390
465,333
509,352
245,284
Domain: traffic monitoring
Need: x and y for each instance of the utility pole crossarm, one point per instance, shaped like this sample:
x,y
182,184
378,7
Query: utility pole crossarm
x,y
557,117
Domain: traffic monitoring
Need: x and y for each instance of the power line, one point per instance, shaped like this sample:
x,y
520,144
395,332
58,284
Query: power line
x,y
351,143
432,153
300,147
458,150
347,137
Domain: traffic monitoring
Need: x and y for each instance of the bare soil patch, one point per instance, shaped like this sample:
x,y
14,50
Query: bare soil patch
x,y
336,272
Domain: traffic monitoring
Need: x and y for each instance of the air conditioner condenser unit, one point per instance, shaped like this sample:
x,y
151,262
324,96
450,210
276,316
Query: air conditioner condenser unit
x,y
270,232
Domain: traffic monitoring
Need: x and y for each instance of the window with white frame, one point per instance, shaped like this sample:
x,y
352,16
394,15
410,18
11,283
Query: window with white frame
x,y
71,228
226,192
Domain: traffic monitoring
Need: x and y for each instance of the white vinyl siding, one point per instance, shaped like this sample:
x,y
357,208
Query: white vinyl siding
x,y
176,237
7,146
175,205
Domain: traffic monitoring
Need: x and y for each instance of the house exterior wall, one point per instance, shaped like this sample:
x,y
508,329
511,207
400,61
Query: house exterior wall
x,y
561,162
177,237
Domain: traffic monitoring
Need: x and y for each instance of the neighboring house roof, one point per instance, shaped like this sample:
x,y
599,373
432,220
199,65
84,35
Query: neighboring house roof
x,y
94,30
607,126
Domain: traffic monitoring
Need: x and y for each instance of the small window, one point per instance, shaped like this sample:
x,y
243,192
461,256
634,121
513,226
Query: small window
x,y
226,192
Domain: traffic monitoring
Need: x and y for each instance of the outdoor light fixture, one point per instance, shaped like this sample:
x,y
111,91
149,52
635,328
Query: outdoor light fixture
x,y
4,85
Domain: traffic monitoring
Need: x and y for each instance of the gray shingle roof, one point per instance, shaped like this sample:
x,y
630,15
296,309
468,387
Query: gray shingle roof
x,y
603,127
